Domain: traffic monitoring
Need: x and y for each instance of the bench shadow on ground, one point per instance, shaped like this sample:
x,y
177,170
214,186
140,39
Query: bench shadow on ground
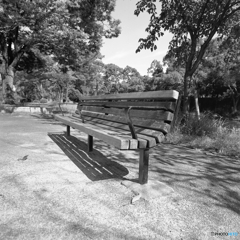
x,y
94,164
209,178
212,179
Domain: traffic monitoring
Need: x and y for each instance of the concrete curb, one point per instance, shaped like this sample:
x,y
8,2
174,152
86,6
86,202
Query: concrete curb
x,y
68,107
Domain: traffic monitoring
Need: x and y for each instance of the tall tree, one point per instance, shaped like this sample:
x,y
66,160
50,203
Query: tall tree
x,y
218,73
193,25
133,79
70,30
156,68
231,50
90,78
112,77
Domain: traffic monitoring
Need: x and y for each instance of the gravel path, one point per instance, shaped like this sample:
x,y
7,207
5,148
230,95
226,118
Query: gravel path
x,y
52,188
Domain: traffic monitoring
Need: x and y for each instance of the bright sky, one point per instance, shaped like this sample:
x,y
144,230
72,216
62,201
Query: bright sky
x,y
121,50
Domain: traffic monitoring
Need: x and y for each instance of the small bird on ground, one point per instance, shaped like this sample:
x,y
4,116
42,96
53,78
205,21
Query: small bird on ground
x,y
23,159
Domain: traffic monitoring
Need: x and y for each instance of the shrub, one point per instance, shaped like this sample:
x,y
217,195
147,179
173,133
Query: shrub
x,y
208,134
207,125
227,141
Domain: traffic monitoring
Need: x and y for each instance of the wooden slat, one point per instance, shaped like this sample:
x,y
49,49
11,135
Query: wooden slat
x,y
143,140
76,116
148,124
169,106
146,137
163,95
159,136
118,140
147,114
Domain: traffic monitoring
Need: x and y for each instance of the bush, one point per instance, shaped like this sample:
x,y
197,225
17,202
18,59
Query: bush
x,y
209,133
207,125
227,141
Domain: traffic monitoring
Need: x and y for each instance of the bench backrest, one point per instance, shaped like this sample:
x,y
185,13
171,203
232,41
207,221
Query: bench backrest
x,y
143,110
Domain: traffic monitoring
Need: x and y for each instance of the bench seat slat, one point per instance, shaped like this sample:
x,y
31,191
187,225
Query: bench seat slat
x,y
119,140
159,136
151,136
169,106
144,140
147,114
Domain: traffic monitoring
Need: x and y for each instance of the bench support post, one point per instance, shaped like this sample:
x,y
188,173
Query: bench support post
x,y
68,131
143,166
90,143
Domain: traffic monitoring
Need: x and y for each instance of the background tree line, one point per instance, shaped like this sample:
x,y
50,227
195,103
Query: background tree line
x,y
51,49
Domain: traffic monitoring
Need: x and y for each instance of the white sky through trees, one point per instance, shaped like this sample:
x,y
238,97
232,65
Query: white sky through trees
x,y
121,50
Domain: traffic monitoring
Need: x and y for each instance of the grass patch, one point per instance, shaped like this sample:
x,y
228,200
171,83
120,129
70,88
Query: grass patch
x,y
208,134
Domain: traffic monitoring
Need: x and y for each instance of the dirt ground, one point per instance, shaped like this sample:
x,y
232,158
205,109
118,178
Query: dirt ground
x,y
52,188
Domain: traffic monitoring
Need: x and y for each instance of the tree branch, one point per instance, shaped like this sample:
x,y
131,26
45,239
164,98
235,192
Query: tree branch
x,y
230,14
212,33
202,12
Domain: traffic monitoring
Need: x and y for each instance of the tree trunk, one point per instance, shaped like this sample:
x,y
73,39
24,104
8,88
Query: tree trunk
x,y
7,80
196,104
1,84
235,103
67,99
235,98
197,110
61,96
96,90
185,94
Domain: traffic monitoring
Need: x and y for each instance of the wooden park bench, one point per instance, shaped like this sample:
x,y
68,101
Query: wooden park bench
x,y
128,121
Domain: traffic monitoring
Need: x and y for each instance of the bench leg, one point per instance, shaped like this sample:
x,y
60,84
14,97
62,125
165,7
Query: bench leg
x,y
143,166
90,143
68,131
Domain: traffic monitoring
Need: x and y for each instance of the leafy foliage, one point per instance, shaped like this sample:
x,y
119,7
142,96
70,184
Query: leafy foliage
x,y
193,25
70,31
112,78
218,74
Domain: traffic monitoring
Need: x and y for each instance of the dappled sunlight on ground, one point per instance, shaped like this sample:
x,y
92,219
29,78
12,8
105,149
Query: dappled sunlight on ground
x,y
52,188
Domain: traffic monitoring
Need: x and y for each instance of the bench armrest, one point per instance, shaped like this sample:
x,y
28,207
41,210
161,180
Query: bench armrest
x,y
129,122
